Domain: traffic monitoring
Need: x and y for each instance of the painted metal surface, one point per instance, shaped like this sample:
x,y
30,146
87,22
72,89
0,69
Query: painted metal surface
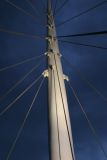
x,y
61,142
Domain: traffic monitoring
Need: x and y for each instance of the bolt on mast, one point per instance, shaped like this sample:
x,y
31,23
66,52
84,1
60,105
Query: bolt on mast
x,y
61,142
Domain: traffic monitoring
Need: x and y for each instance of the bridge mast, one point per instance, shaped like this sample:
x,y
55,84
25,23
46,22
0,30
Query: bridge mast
x,y
61,142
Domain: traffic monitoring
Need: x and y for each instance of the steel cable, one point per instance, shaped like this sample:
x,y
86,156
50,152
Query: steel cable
x,y
82,44
104,32
21,34
19,81
83,12
54,9
20,63
60,8
93,130
24,121
85,79
19,96
22,10
34,8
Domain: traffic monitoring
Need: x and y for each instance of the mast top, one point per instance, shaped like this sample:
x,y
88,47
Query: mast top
x,y
49,6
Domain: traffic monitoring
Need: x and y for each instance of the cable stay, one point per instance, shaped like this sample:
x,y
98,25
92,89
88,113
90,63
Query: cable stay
x,y
55,72
54,9
83,12
19,81
21,34
78,72
92,128
24,121
61,7
20,95
33,7
85,34
20,63
44,6
82,44
22,10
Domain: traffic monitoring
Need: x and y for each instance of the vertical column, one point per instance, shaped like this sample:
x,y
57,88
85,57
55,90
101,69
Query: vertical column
x,y
61,143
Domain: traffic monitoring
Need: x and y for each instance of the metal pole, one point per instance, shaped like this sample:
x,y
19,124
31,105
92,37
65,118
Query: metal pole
x,y
61,142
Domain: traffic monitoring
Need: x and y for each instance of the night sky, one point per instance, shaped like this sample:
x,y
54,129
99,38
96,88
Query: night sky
x,y
90,61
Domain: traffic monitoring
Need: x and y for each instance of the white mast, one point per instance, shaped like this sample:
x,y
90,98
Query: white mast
x,y
61,143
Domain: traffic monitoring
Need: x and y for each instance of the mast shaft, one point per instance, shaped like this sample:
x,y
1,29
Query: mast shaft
x,y
61,142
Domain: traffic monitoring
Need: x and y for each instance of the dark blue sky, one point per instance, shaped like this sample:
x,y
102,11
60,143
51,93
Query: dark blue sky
x,y
92,62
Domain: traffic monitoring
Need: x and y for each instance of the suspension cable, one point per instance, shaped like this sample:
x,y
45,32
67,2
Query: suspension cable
x,y
23,123
22,10
85,79
21,34
19,96
34,8
61,7
81,44
19,81
93,130
54,9
20,63
84,34
43,6
83,12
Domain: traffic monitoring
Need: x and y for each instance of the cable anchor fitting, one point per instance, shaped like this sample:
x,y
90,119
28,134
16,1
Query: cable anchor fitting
x,y
45,73
65,77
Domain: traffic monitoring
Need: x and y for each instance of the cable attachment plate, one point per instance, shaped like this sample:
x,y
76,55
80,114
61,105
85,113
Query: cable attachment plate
x,y
46,53
65,77
45,73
